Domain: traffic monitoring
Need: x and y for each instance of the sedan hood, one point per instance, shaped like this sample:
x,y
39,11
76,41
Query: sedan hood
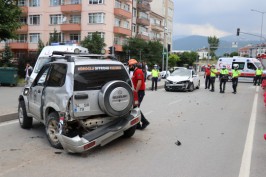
x,y
178,78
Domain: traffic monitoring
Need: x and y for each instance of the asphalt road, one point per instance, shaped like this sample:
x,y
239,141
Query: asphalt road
x,y
221,135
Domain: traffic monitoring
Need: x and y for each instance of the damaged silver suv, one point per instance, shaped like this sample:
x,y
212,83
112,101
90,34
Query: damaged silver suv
x,y
83,101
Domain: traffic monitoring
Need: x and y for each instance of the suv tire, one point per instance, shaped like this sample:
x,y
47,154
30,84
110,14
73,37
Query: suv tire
x,y
51,130
130,132
24,120
116,98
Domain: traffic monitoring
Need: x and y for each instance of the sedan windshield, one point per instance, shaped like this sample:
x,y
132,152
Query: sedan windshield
x,y
181,72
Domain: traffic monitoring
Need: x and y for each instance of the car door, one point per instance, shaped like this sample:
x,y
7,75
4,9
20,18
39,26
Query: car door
x,y
36,92
195,78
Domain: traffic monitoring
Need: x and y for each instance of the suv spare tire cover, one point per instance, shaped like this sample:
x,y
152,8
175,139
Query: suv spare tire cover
x,y
116,98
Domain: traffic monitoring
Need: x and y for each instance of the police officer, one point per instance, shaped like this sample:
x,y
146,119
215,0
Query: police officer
x,y
155,75
213,76
235,74
223,78
258,75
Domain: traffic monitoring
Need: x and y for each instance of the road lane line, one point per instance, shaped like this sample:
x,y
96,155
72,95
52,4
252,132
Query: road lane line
x,y
8,123
247,154
174,102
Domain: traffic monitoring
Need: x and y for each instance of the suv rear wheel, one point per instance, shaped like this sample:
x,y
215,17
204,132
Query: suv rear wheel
x,y
51,130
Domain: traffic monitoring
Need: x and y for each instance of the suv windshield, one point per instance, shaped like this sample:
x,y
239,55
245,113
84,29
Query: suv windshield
x,y
41,61
92,77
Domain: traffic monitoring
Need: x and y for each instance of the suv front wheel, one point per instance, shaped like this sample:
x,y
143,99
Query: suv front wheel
x,y
51,130
24,120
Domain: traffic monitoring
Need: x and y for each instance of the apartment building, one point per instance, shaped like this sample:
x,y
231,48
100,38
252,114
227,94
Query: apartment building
x,y
73,20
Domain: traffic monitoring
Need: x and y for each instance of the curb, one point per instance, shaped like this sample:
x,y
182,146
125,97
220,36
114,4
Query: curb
x,y
8,117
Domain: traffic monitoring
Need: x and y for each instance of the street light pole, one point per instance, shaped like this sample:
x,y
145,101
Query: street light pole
x,y
262,13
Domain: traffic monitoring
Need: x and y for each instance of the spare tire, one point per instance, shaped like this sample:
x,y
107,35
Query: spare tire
x,y
116,98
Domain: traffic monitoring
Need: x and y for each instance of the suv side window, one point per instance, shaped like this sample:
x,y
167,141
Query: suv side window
x,y
57,75
41,77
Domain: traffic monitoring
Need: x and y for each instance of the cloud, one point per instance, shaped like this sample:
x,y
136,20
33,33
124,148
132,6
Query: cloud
x,y
196,29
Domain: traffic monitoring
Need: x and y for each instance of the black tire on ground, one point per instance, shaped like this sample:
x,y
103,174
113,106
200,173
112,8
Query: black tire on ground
x,y
51,128
191,87
130,132
24,121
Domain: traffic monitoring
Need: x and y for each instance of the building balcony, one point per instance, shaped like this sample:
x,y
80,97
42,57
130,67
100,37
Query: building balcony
x,y
23,28
145,7
71,8
24,9
123,31
122,13
143,35
70,27
143,21
158,28
18,45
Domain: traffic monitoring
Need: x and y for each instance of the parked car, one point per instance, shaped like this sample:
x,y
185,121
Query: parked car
x,y
83,102
182,79
164,75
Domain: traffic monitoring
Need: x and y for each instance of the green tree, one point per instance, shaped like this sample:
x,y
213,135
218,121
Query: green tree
x,y
9,19
7,56
54,37
40,46
173,59
233,54
135,48
153,53
187,58
214,44
93,43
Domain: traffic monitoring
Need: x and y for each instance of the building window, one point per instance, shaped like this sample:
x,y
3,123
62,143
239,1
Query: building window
x,y
55,19
134,28
134,12
22,38
75,37
75,19
102,34
34,37
23,20
22,3
96,17
34,3
117,22
96,1
34,19
56,2
58,37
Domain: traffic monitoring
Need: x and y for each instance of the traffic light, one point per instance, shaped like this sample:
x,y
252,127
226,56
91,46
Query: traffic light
x,y
169,47
237,31
111,50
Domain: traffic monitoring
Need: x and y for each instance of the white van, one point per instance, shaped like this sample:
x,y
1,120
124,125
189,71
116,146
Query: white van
x,y
47,51
247,66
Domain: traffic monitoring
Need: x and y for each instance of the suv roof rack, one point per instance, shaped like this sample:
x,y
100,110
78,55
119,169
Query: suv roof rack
x,y
92,56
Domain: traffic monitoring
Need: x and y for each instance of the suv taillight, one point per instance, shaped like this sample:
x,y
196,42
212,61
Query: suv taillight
x,y
136,99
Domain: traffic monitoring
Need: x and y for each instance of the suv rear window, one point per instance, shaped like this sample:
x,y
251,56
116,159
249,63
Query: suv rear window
x,y
94,77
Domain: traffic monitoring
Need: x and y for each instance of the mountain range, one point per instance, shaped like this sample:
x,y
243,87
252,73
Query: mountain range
x,y
195,42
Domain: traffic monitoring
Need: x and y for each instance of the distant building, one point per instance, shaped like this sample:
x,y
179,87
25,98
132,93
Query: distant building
x,y
252,50
202,53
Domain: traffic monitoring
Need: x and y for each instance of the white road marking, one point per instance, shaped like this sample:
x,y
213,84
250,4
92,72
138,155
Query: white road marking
x,y
247,154
174,102
8,123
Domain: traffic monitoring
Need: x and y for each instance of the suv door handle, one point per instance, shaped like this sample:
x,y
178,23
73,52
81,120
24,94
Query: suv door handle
x,y
81,96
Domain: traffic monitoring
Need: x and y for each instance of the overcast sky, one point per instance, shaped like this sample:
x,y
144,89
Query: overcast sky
x,y
218,17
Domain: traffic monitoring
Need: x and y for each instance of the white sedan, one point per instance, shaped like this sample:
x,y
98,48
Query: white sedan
x,y
182,79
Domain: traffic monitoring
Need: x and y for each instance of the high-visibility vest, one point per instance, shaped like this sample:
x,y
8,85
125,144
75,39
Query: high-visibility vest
x,y
213,72
224,72
259,72
235,73
155,73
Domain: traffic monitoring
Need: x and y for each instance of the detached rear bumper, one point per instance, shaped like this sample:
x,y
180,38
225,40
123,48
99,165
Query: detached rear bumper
x,y
101,135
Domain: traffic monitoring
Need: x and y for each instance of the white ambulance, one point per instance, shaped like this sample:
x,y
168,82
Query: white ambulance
x,y
47,51
247,66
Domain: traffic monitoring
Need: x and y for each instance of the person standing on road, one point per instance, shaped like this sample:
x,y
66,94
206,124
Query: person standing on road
x,y
235,74
139,86
28,71
207,76
258,75
212,77
155,75
223,78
